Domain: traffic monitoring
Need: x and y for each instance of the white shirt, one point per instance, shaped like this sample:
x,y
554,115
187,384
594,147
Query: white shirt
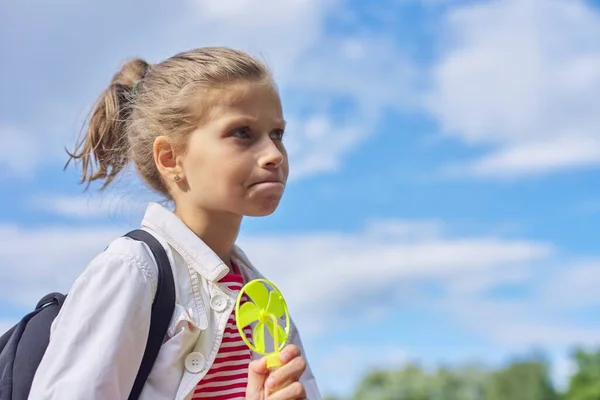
x,y
98,338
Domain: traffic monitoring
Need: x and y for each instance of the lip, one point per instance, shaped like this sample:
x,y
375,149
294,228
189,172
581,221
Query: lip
x,y
268,182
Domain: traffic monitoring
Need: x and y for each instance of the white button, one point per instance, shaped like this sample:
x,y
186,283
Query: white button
x,y
194,362
218,303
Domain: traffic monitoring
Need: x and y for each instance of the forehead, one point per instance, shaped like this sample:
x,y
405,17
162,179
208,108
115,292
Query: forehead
x,y
253,100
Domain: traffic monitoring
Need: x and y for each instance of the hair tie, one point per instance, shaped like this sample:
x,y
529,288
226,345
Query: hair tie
x,y
136,88
136,85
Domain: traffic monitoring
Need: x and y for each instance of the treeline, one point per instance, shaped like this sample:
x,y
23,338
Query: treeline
x,y
526,378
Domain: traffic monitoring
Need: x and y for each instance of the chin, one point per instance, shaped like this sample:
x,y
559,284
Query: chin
x,y
260,214
264,209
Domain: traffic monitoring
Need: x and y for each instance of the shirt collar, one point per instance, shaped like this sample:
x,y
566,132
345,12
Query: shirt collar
x,y
194,251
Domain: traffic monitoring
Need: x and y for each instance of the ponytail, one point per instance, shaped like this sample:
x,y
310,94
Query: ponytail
x,y
104,150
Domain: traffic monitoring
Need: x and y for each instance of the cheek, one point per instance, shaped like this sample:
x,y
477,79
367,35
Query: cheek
x,y
221,177
286,166
198,174
194,167
235,174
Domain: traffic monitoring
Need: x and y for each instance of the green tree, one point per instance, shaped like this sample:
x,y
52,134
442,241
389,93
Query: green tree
x,y
465,383
409,383
525,380
585,382
413,383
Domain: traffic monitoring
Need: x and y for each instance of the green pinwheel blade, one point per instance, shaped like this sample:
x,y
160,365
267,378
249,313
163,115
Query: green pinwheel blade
x,y
258,293
276,305
247,314
258,337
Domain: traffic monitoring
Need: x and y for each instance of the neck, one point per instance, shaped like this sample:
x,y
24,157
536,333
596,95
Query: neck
x,y
218,230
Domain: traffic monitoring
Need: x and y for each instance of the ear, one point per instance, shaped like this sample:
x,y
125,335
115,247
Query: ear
x,y
167,159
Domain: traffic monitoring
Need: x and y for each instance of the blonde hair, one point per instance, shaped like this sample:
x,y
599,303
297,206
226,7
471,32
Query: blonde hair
x,y
145,101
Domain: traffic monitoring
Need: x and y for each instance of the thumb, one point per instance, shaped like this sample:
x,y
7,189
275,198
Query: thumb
x,y
257,374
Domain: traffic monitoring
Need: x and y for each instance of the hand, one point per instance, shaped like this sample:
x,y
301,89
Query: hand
x,y
280,384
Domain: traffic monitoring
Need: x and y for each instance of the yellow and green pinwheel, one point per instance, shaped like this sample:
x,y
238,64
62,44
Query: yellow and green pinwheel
x,y
266,308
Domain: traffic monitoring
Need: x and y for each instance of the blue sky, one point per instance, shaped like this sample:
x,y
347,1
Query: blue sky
x,y
445,194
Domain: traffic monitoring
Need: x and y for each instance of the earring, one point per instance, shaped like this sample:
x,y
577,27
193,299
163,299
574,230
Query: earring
x,y
176,177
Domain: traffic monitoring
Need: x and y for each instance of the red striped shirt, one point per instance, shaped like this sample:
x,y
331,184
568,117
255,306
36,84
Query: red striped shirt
x,y
228,376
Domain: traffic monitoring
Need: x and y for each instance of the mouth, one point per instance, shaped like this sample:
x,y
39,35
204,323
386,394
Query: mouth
x,y
272,182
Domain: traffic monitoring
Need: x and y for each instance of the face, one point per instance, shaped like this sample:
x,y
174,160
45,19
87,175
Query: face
x,y
235,161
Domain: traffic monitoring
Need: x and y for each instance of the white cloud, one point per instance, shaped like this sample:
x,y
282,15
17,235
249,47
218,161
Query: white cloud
x,y
348,363
335,266
316,144
75,206
371,70
407,229
577,285
46,259
19,151
539,157
341,268
520,78
549,313
96,205
517,325
280,31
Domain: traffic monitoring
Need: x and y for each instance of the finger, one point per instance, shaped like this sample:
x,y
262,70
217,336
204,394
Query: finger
x,y
257,375
259,367
290,372
289,352
294,391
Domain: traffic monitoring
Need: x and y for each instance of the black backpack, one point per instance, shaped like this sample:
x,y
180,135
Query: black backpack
x,y
23,346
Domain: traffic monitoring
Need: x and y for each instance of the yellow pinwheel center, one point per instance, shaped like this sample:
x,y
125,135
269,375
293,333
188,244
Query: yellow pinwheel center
x,y
263,316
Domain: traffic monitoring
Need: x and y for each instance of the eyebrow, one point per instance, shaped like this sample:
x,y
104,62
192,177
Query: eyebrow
x,y
244,119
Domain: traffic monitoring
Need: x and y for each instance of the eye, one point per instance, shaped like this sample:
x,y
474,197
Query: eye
x,y
277,134
242,133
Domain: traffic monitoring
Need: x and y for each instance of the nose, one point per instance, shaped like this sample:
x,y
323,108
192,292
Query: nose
x,y
272,156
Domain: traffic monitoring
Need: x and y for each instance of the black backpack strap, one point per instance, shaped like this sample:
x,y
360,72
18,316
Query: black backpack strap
x,y
162,309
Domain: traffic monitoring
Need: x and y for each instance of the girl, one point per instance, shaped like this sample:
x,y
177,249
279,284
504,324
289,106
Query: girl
x,y
204,128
